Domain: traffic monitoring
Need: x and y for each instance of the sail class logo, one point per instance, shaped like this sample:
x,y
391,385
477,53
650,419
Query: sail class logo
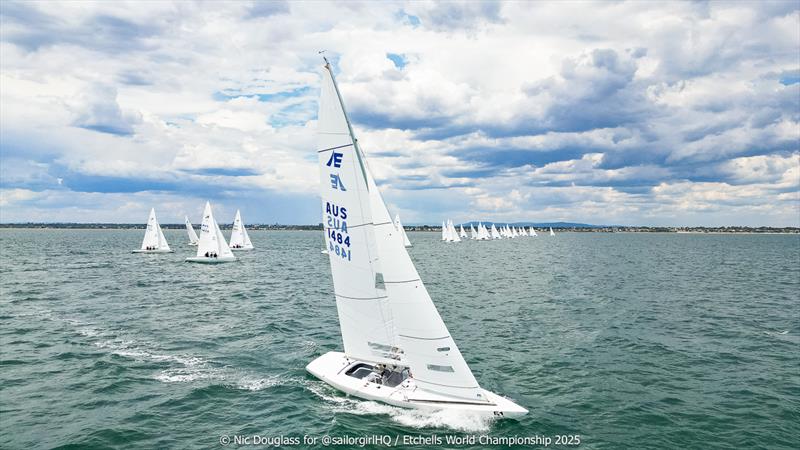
x,y
336,182
335,159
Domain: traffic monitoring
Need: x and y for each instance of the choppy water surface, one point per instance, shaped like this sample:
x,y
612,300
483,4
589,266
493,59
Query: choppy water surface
x,y
629,340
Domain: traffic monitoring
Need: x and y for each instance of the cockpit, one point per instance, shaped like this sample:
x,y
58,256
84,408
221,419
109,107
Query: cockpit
x,y
391,376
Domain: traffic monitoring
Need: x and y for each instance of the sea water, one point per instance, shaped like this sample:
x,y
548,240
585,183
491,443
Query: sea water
x,y
621,340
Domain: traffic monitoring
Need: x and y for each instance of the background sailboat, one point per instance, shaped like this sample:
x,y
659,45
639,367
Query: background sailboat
x,y
390,326
463,233
154,240
189,229
551,232
452,234
495,233
400,228
240,240
211,248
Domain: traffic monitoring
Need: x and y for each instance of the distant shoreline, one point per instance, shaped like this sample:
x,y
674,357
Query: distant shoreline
x,y
426,228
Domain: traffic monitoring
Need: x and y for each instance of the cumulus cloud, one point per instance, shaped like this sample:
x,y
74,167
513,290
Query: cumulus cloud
x,y
623,112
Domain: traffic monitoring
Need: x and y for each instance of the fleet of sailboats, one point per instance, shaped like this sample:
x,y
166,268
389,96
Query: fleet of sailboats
x,y
397,349
482,233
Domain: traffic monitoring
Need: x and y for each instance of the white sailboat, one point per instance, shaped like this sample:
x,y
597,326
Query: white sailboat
x,y
533,232
444,231
472,233
452,234
154,240
551,232
483,233
240,240
399,226
463,233
211,248
397,349
495,234
189,229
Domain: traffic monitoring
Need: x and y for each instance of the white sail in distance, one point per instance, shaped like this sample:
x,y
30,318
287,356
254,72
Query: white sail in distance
x,y
153,236
495,234
463,233
189,229
452,233
472,233
239,237
386,315
399,226
211,239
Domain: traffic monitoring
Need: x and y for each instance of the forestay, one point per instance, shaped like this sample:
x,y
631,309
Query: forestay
x,y
385,312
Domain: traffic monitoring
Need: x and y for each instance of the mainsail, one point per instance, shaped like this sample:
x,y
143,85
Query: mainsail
x,y
190,230
153,237
385,312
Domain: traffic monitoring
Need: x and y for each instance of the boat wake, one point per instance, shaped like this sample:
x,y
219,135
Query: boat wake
x,y
412,418
189,368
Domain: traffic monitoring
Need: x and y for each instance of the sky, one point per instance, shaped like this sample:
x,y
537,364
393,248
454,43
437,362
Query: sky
x,y
627,112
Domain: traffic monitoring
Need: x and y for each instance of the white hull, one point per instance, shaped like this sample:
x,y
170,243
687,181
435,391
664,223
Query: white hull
x,y
153,251
341,372
204,260
241,249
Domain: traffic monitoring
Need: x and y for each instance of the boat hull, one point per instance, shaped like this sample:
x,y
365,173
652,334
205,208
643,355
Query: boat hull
x,y
204,260
241,249
332,368
153,251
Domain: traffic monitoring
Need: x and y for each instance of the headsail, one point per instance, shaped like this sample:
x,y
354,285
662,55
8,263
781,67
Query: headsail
x,y
385,312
